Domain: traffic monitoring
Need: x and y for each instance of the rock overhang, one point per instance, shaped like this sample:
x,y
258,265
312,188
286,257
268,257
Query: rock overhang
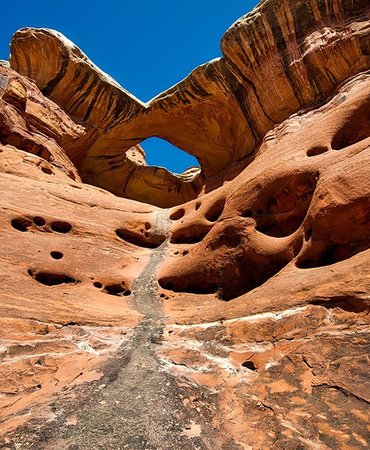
x,y
271,68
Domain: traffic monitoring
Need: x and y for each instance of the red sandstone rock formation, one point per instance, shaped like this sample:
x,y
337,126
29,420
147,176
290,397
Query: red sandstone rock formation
x,y
236,319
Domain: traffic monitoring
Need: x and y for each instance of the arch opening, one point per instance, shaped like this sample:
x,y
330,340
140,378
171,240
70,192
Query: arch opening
x,y
161,153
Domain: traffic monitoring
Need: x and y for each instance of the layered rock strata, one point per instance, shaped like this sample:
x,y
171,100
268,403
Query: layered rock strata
x,y
99,105
238,318
276,60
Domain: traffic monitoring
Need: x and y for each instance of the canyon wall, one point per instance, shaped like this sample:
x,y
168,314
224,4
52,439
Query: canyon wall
x,y
223,308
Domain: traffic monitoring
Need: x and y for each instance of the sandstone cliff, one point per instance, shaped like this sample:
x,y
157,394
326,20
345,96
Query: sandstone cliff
x,y
227,309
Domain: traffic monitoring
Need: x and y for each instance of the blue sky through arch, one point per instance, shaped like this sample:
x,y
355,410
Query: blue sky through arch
x,y
162,153
146,46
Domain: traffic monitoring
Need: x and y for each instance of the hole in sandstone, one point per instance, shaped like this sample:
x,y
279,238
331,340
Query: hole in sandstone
x,y
115,289
347,303
355,127
56,255
247,213
47,170
39,221
349,235
21,223
168,285
286,202
61,227
230,237
147,241
185,252
190,235
249,365
147,226
127,293
51,278
161,153
197,205
332,254
177,215
97,284
214,213
314,151
308,234
191,288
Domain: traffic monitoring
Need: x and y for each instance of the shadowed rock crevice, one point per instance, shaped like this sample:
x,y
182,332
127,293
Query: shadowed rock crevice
x,y
51,278
282,205
144,239
354,128
190,235
347,235
348,303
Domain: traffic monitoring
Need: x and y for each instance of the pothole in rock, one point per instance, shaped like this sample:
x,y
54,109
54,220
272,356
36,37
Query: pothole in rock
x,y
191,234
249,365
51,278
282,205
349,226
118,289
355,127
61,227
215,211
143,239
21,223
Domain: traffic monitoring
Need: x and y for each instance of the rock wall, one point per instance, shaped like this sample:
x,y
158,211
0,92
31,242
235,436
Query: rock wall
x,y
276,60
235,313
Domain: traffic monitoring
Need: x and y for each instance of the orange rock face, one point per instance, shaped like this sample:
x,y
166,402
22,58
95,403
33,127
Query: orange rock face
x,y
237,319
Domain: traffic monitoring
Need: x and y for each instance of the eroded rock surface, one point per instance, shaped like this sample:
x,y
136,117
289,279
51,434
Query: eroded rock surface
x,y
237,319
276,60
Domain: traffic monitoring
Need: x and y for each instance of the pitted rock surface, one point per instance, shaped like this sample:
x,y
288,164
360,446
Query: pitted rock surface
x,y
233,314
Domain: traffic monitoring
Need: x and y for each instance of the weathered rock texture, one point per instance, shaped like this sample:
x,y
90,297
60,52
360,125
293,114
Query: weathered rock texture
x,y
238,319
102,154
278,59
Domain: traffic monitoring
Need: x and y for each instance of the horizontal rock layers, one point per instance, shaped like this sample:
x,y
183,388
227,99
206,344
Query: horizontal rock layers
x,y
238,318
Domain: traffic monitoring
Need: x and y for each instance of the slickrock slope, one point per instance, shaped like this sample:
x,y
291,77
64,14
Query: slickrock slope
x,y
237,319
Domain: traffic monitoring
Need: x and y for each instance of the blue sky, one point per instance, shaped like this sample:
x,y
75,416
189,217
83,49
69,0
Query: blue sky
x,y
147,46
